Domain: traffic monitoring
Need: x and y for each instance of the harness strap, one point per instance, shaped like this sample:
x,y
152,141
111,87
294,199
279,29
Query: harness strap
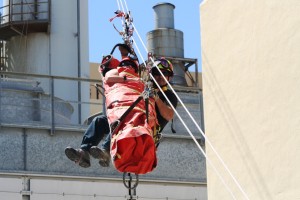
x,y
172,127
114,125
147,109
123,45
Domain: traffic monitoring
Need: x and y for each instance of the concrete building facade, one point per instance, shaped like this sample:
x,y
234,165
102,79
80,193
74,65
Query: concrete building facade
x,y
250,52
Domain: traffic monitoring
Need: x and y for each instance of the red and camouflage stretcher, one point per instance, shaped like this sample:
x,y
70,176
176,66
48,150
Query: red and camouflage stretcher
x,y
132,118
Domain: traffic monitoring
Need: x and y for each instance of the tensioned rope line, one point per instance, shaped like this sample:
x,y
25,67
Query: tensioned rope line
x,y
200,130
220,159
206,140
193,137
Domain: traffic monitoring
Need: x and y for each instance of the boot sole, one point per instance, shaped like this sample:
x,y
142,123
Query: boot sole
x,y
99,154
73,156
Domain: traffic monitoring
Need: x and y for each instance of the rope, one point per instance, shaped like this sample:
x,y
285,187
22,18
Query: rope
x,y
194,121
217,154
193,137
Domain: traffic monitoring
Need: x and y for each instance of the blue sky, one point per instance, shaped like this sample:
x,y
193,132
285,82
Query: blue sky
x,y
102,35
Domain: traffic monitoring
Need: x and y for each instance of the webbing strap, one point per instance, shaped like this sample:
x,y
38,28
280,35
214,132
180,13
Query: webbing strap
x,y
114,125
123,45
147,109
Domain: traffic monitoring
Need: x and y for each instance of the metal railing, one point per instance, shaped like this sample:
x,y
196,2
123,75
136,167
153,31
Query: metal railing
x,y
44,100
54,102
3,56
25,11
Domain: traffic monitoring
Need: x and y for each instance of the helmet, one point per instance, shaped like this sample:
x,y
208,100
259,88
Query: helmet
x,y
130,61
108,63
164,65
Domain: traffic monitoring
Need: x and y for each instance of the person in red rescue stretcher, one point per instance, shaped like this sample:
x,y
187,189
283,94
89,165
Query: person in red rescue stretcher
x,y
99,127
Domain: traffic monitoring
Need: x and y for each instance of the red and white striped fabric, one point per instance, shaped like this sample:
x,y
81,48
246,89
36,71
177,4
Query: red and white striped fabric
x,y
132,145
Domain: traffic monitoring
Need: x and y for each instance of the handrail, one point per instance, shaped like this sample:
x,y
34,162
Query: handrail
x,y
50,76
12,82
43,91
8,17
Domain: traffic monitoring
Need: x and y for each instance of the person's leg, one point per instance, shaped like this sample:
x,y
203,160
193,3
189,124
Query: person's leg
x,y
102,153
106,143
95,132
92,137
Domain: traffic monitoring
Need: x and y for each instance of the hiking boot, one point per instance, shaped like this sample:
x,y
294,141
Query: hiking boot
x,y
101,154
79,156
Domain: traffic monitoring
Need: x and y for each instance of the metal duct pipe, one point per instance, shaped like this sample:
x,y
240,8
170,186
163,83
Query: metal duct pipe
x,y
164,15
167,41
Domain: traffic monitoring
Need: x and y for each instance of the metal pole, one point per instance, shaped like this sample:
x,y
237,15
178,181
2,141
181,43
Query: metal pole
x,y
79,61
0,96
24,149
52,106
10,12
196,72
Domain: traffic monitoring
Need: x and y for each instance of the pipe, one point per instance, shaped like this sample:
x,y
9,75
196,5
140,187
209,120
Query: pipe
x,y
79,61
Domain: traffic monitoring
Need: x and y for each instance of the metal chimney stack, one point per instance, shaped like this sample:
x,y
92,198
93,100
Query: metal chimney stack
x,y
164,15
167,41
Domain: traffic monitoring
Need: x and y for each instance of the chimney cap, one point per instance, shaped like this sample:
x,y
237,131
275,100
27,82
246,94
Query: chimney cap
x,y
164,3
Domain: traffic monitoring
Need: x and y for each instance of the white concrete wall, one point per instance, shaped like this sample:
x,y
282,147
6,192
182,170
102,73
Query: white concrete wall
x,y
64,48
84,59
30,54
54,188
250,52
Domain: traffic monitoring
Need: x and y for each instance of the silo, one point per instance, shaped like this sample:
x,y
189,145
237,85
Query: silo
x,y
166,41
58,51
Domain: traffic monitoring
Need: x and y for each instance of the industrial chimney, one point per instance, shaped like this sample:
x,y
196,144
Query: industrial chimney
x,y
167,41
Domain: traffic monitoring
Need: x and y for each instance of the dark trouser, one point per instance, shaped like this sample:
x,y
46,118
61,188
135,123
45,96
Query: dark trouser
x,y
95,132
